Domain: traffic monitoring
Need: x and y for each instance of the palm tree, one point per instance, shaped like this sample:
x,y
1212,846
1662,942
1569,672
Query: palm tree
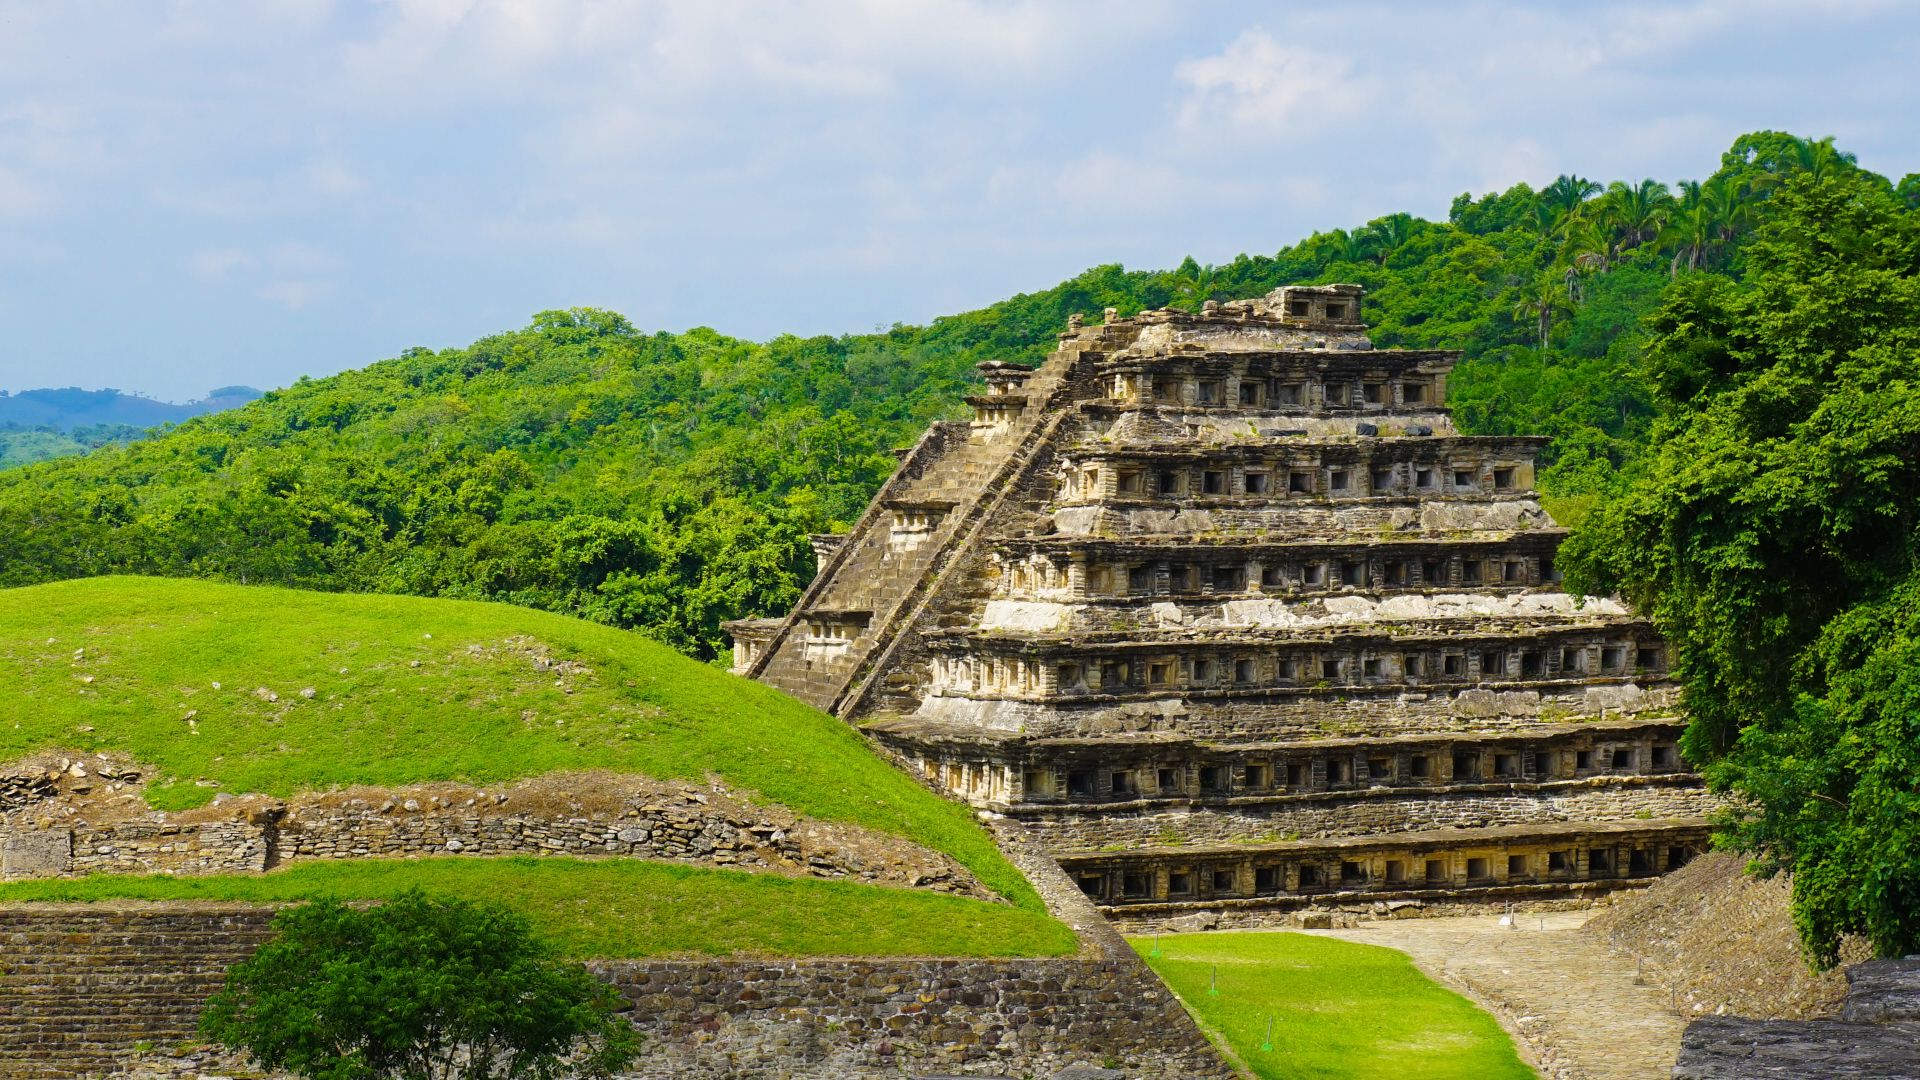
x,y
1193,283
1566,193
1587,245
1818,158
1389,234
1541,301
1340,246
1638,210
1692,230
1547,217
1727,202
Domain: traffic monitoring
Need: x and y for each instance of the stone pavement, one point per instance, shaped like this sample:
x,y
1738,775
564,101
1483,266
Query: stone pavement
x,y
1579,1010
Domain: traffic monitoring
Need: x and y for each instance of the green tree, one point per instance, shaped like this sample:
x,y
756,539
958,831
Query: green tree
x,y
1568,193
417,989
1541,302
1692,229
1774,537
1636,212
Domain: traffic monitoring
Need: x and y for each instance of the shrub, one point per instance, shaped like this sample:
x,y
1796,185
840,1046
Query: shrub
x,y
418,989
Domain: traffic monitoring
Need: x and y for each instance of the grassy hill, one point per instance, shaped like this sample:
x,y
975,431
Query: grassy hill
x,y
251,689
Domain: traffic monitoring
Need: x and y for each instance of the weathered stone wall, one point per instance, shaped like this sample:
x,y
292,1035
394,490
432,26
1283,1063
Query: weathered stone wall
x,y
1875,1037
1359,815
81,986
1308,713
148,847
827,1019
65,832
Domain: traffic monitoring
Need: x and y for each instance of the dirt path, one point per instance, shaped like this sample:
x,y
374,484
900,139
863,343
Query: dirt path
x,y
1578,1008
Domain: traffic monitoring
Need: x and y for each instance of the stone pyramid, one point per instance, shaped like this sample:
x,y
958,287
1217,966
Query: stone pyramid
x,y
1224,610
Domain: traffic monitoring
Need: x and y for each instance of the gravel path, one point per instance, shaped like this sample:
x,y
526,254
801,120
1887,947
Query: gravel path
x,y
1579,1010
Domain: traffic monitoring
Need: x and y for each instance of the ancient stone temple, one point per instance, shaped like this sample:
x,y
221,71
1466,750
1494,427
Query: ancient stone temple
x,y
1225,611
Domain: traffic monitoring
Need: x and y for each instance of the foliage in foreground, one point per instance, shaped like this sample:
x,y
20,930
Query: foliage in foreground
x,y
1341,1011
205,682
418,989
1774,535
630,908
666,482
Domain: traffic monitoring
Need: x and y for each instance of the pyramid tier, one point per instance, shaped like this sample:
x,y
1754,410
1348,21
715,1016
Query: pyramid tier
x,y
1130,786
1488,865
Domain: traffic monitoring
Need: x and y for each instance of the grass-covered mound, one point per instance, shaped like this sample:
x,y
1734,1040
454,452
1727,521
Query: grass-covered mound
x,y
616,908
1340,1011
249,689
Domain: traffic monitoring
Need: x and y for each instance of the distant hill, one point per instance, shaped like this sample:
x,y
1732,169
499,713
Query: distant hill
x,y
40,425
71,407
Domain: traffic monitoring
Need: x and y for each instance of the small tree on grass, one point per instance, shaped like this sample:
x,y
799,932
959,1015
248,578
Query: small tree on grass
x,y
418,989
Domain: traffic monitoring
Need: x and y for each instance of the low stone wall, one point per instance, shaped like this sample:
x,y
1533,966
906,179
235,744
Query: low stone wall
x,y
1875,1037
78,826
1366,814
842,1018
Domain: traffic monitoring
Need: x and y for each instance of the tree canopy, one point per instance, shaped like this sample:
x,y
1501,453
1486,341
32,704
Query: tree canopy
x,y
418,989
1771,533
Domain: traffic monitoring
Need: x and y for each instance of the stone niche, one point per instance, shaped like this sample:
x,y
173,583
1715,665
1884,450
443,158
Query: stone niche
x,y
913,523
830,634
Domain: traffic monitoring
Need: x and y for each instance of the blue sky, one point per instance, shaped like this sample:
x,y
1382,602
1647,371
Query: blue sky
x,y
194,194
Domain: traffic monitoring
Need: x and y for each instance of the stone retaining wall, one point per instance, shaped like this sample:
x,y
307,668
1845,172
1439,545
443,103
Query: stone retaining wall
x,y
827,1019
63,832
82,986
94,990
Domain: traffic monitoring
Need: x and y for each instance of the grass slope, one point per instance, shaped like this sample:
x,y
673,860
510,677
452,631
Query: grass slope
x,y
407,690
1341,1011
615,908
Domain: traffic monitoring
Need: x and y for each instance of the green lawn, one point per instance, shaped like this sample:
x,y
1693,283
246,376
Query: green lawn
x,y
1340,1011
617,908
407,690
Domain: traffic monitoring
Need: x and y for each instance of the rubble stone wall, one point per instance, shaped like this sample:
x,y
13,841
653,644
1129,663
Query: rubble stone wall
x,y
61,837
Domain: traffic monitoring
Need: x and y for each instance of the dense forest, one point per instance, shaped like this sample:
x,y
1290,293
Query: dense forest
x,y
665,482
1773,533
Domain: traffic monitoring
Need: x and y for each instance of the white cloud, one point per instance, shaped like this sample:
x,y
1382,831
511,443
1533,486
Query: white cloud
x,y
289,275
294,294
214,264
1257,84
293,257
305,187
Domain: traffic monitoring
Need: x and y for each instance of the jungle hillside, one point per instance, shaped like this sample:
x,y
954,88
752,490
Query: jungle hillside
x,y
666,482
